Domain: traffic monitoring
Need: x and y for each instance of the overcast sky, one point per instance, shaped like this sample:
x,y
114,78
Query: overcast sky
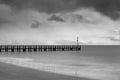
x,y
95,22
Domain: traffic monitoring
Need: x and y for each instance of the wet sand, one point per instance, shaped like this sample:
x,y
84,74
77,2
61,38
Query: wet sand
x,y
11,72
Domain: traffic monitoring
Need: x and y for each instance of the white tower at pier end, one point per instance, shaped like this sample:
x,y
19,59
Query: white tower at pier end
x,y
77,40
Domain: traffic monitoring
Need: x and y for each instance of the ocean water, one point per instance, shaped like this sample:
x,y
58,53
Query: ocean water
x,y
97,62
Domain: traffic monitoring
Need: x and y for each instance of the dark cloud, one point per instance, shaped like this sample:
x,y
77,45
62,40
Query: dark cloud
x,y
56,18
83,19
4,21
48,6
107,7
35,24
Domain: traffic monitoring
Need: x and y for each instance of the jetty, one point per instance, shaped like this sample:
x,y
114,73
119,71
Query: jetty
x,y
38,48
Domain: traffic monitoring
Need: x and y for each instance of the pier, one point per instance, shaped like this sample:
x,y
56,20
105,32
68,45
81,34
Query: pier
x,y
38,48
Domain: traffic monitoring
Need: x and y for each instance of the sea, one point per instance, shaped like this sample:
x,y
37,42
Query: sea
x,y
100,62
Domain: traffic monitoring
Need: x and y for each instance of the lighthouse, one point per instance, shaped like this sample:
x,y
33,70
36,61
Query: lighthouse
x,y
77,40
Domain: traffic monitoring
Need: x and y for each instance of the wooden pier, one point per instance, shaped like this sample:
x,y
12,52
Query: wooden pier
x,y
38,48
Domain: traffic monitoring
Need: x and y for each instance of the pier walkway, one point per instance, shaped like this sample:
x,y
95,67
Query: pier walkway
x,y
38,48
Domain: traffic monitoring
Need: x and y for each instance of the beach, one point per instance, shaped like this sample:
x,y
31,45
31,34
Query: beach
x,y
12,72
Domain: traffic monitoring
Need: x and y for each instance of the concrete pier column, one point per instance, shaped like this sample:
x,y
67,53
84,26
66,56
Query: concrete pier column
x,y
40,48
0,49
63,48
44,48
6,48
22,49
57,48
71,48
3,48
34,48
26,48
29,49
79,47
66,49
60,48
9,48
54,48
37,48
18,48
50,48
74,48
14,48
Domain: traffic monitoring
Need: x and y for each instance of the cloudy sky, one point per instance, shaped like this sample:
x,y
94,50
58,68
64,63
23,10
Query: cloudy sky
x,y
95,22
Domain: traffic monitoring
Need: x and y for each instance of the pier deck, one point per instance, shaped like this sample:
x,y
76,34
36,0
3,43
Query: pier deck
x,y
38,48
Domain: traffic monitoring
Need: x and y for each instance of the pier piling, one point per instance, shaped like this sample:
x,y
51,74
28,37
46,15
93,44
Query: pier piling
x,y
39,48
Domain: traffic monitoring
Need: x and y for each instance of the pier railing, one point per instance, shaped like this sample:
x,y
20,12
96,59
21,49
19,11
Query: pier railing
x,y
38,48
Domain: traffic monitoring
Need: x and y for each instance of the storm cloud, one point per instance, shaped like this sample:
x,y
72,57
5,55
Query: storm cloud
x,y
4,21
56,18
109,8
35,24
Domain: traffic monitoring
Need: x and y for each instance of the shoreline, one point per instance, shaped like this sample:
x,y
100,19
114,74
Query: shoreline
x,y
56,68
13,72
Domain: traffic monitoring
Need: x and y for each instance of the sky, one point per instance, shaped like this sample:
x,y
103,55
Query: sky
x,y
58,22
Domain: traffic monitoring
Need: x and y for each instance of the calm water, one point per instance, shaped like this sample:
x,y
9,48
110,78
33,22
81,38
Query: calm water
x,y
107,53
102,62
